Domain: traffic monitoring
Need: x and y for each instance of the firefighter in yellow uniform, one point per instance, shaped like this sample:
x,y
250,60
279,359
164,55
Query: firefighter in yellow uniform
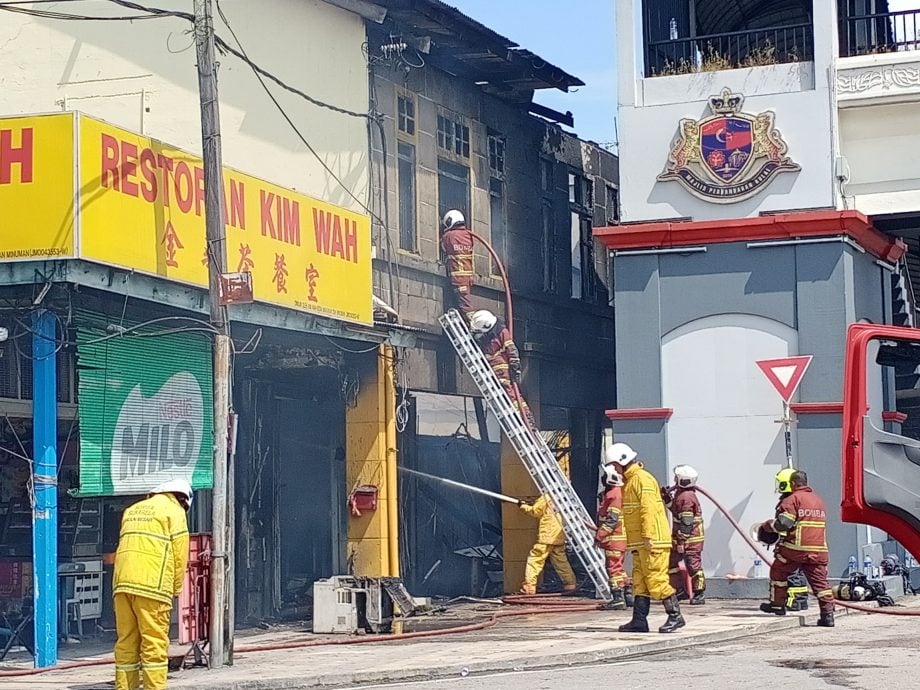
x,y
648,537
550,545
149,570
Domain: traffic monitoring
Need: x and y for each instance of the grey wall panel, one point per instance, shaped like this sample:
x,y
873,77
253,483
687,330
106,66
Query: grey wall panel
x,y
868,292
638,333
824,305
727,278
819,449
647,438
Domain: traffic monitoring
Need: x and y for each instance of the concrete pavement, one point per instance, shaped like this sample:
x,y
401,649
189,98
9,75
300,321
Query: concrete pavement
x,y
861,652
517,644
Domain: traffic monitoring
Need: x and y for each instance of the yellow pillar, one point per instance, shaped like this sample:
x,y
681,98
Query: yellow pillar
x,y
388,361
519,532
370,451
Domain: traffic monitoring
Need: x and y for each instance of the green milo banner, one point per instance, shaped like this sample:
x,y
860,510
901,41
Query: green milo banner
x,y
145,406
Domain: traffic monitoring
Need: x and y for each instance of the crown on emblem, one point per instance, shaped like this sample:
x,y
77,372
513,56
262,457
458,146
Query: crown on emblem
x,y
727,103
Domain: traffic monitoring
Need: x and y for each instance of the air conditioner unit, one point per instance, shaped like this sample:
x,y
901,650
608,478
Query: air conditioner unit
x,y
348,605
335,605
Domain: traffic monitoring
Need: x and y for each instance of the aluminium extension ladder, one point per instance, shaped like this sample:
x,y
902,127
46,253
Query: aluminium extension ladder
x,y
537,457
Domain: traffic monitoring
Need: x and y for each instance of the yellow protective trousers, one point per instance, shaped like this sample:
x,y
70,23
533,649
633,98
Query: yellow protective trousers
x,y
650,574
536,561
142,625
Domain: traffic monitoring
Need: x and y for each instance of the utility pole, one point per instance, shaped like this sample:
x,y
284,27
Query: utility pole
x,y
220,639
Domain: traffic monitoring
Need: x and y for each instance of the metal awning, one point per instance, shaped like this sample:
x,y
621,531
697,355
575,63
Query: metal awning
x,y
194,299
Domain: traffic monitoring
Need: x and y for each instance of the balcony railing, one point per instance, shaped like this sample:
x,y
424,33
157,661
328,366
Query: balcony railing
x,y
889,32
735,50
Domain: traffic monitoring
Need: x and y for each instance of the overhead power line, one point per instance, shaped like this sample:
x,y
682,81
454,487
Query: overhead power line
x,y
17,8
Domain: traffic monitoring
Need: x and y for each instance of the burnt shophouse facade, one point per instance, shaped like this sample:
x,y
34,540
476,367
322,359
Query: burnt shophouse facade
x,y
461,131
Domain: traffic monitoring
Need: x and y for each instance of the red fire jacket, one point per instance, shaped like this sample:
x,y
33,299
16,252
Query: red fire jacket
x,y
458,251
687,520
801,522
610,533
502,354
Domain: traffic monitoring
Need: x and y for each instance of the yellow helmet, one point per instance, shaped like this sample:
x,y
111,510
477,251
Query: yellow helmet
x,y
784,480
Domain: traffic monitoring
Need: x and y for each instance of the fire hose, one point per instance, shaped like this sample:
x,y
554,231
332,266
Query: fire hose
x,y
547,603
567,607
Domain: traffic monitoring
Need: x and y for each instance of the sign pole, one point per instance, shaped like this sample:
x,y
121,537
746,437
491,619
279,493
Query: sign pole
x,y
785,374
221,585
787,432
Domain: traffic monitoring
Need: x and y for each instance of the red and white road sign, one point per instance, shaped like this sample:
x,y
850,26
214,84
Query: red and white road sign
x,y
785,374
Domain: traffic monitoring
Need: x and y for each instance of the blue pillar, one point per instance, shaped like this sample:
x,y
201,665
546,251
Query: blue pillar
x,y
44,479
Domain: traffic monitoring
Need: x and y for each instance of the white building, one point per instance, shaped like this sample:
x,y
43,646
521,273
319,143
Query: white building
x,y
141,75
770,189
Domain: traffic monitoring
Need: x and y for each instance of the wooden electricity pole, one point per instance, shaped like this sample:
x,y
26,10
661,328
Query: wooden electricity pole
x,y
221,551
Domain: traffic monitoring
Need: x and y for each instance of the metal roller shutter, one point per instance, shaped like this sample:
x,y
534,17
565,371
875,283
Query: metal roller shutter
x,y
145,406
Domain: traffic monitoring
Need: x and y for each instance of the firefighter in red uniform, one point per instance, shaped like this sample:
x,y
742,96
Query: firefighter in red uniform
x,y
686,534
495,340
457,245
611,536
801,523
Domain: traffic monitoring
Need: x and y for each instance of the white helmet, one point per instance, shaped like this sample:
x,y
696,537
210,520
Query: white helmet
x,y
482,320
611,476
685,476
619,454
452,219
175,486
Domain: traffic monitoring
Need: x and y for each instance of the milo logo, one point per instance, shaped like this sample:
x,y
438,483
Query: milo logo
x,y
159,437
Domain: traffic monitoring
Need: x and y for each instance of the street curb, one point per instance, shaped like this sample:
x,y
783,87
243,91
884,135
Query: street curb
x,y
661,644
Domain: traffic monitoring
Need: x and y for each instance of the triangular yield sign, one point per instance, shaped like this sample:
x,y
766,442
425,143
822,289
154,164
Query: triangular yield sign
x,y
785,374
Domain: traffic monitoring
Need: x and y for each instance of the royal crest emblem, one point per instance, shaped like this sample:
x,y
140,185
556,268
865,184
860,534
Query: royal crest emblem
x,y
730,155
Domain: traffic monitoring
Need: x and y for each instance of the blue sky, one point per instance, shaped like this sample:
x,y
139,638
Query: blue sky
x,y
580,42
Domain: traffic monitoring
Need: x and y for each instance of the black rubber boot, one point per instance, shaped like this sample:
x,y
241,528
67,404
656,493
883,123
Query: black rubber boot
x,y
639,622
628,596
617,603
826,620
699,599
682,595
675,619
770,607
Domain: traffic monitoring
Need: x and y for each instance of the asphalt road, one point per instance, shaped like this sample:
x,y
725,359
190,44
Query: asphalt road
x,y
861,652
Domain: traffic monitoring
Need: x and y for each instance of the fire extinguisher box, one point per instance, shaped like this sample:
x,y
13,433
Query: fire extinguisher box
x,y
363,499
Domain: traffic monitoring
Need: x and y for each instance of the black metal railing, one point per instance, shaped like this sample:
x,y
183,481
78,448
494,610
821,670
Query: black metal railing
x,y
888,32
738,49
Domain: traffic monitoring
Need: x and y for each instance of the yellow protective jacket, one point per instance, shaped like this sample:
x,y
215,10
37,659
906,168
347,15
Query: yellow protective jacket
x,y
152,549
643,510
550,529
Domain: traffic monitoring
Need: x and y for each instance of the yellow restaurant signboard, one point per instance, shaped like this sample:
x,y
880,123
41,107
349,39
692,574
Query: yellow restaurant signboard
x,y
140,205
36,187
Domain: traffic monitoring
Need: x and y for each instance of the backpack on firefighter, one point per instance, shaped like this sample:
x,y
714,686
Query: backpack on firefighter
x,y
860,588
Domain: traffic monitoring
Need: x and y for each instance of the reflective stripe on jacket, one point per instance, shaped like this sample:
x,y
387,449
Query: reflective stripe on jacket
x,y
808,515
610,531
643,510
550,530
152,549
458,250
685,508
